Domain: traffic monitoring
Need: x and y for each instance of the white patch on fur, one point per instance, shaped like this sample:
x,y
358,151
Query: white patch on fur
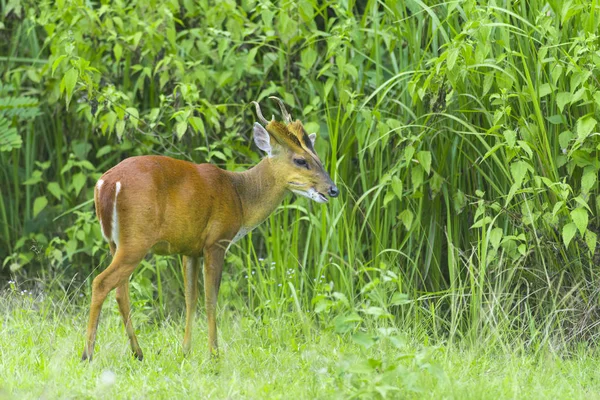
x,y
311,194
115,217
102,230
241,233
98,186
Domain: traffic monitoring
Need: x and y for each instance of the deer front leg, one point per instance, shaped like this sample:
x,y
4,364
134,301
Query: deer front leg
x,y
190,281
213,268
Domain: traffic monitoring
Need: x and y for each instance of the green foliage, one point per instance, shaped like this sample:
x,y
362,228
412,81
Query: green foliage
x,y
463,136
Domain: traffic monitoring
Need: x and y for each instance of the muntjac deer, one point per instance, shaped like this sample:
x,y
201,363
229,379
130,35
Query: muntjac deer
x,y
168,206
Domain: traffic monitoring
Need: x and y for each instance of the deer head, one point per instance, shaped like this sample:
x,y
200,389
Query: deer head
x,y
293,156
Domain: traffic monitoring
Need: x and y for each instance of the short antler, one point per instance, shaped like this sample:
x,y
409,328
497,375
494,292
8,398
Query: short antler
x,y
259,113
286,115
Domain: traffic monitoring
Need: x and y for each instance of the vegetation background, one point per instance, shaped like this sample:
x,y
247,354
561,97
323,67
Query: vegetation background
x,y
459,261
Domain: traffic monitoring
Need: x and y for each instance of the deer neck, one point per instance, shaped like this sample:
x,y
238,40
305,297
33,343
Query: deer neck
x,y
260,192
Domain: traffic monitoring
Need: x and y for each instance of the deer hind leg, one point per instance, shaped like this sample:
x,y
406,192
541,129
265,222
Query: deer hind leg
x,y
122,296
116,274
190,281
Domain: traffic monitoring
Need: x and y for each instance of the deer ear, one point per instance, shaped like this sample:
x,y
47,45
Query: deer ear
x,y
312,137
262,139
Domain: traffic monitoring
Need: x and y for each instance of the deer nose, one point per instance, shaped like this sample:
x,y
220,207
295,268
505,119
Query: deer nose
x,y
333,191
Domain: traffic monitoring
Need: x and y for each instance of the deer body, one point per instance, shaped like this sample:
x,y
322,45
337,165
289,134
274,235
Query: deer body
x,y
169,206
166,205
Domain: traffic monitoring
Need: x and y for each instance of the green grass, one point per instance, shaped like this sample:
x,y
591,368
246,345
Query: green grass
x,y
41,341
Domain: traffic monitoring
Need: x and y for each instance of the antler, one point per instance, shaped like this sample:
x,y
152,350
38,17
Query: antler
x,y
286,115
259,113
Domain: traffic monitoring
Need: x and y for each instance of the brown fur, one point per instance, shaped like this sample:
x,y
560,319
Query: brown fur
x,y
292,136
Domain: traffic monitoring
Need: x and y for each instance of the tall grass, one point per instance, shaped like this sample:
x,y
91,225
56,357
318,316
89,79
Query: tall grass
x,y
460,133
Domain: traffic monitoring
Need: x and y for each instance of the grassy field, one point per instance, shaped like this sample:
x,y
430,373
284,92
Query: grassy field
x,y
280,357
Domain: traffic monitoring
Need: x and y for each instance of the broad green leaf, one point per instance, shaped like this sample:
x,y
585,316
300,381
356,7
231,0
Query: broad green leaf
x,y
557,207
588,179
218,154
460,201
436,183
482,222
487,83
591,239
39,204
135,39
511,137
36,177
54,188
578,95
409,152
580,218
496,237
399,298
345,323
406,217
341,297
578,77
322,305
363,339
397,187
544,90
568,233
78,182
585,126
416,174
562,99
389,196
68,83
118,50
524,146
134,116
120,127
564,138
181,127
198,125
424,158
518,169
57,62
557,119
452,56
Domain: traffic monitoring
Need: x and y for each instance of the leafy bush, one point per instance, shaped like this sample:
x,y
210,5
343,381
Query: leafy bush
x,y
463,136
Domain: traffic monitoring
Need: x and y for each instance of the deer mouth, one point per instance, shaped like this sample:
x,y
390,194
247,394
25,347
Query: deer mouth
x,y
312,194
320,197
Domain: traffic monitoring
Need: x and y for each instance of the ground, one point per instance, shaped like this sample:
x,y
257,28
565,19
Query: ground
x,y
280,357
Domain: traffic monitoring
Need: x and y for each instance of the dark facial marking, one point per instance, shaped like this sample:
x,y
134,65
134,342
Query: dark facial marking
x,y
307,142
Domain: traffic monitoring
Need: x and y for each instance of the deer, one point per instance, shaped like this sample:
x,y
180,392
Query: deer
x,y
168,206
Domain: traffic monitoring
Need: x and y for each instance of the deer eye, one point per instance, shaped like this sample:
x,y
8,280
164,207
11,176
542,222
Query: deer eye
x,y
301,162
